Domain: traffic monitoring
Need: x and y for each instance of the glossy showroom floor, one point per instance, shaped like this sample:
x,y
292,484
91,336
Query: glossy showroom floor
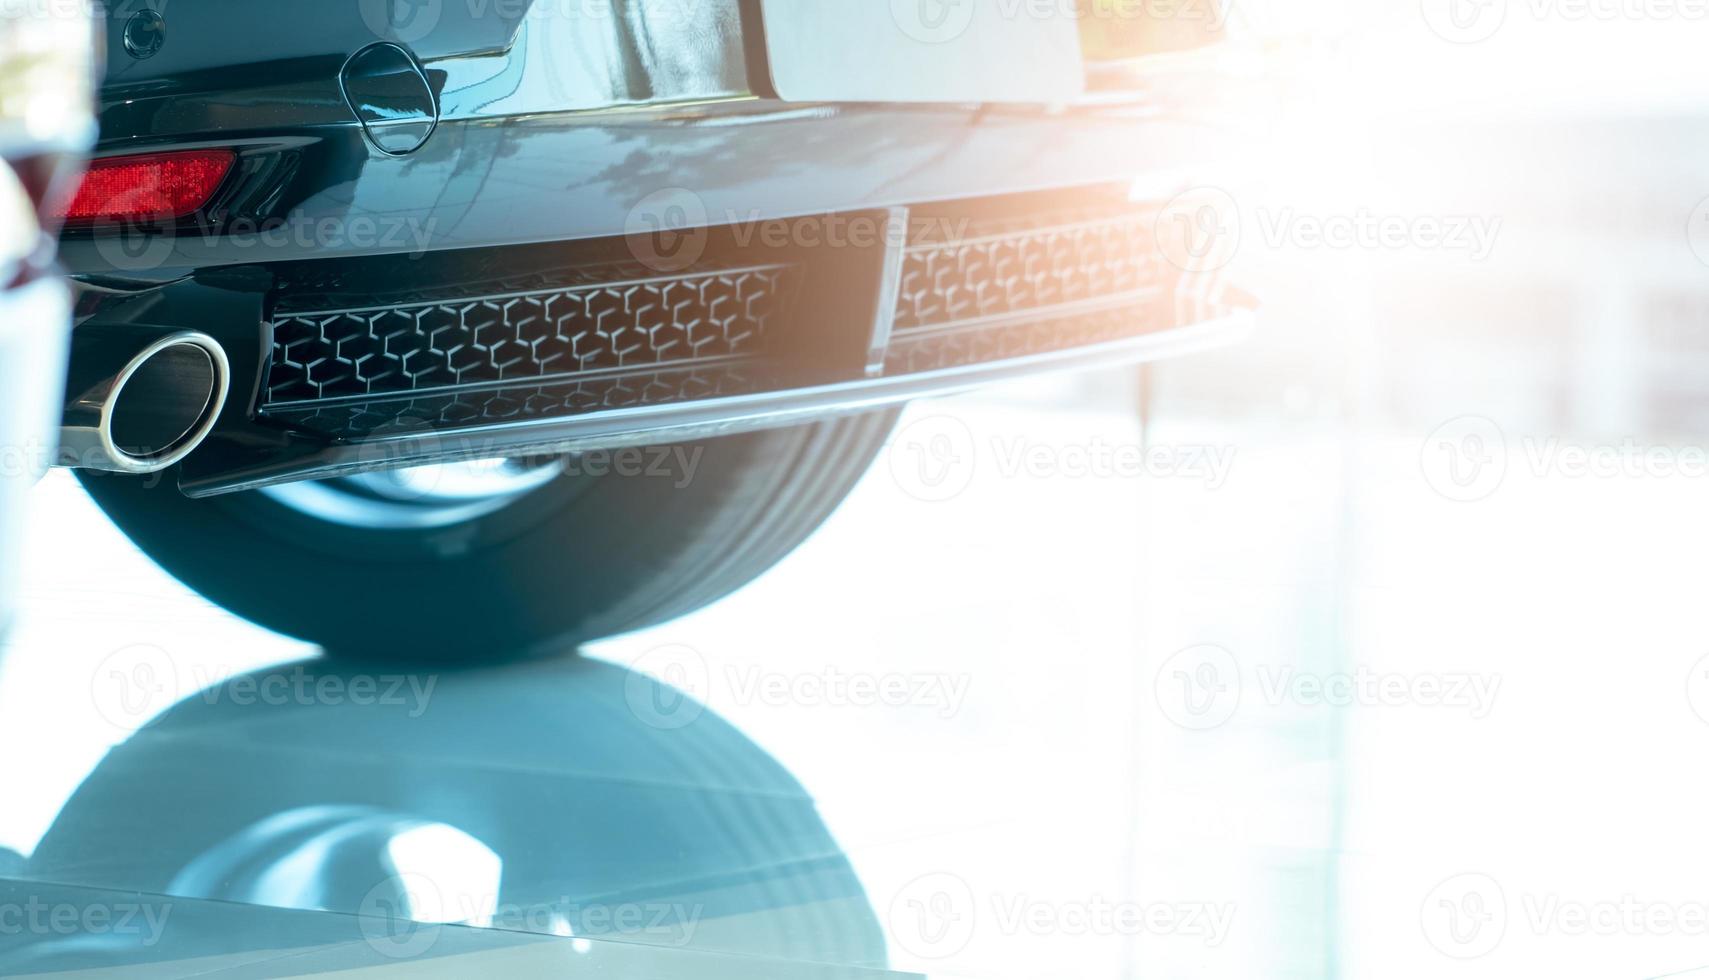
x,y
980,726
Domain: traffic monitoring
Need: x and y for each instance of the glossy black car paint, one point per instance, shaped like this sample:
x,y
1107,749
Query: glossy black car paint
x,y
552,123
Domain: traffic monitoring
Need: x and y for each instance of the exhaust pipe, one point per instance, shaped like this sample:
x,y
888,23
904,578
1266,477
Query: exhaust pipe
x,y
139,400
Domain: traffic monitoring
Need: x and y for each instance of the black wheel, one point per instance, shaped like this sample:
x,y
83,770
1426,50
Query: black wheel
x,y
503,558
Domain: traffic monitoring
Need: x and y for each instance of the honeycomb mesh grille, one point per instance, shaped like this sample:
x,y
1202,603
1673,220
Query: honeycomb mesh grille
x,y
938,350
569,331
486,345
431,412
1007,269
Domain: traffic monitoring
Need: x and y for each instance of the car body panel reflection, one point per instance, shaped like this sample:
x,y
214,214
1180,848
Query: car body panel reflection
x,y
295,785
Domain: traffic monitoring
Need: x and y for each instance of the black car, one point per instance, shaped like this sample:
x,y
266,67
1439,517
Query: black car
x,y
478,328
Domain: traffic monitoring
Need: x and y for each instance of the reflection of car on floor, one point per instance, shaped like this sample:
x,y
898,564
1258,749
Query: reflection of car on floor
x,y
46,95
551,798
403,303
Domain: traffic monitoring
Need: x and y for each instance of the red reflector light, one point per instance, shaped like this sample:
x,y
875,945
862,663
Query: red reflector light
x,y
148,187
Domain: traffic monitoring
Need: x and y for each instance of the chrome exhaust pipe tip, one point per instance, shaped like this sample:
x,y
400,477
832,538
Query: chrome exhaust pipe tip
x,y
141,413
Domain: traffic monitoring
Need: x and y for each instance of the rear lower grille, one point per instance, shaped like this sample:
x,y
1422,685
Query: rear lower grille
x,y
468,345
916,352
1014,289
612,331
997,272
460,409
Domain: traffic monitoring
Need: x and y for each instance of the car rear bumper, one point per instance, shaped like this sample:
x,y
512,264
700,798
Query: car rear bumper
x,y
383,309
345,365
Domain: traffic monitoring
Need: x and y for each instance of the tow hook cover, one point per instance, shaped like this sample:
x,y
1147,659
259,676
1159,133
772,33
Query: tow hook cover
x,y
391,97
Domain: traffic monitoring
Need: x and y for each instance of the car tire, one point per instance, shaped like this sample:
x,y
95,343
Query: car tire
x,y
584,557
